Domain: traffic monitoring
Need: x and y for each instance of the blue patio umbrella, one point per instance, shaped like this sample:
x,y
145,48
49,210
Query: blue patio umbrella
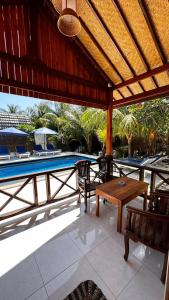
x,y
44,131
12,131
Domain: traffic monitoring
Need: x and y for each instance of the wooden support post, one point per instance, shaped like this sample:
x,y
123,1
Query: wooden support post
x,y
109,124
48,190
152,182
35,191
141,175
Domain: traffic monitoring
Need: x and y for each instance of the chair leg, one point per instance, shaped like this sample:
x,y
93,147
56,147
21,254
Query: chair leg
x,y
126,243
79,198
163,274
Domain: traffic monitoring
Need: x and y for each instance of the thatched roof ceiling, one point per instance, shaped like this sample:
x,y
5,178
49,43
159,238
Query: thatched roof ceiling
x,y
123,46
128,39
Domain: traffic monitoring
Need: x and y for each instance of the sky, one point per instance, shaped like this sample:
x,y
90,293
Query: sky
x,y
22,102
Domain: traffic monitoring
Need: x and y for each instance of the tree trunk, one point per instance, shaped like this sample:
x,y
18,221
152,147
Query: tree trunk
x,y
89,143
129,147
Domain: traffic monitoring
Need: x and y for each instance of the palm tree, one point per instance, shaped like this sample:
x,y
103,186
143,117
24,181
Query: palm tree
x,y
128,127
12,108
39,114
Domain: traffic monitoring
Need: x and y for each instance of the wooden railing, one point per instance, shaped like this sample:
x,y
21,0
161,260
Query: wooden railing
x,y
58,192
139,171
58,185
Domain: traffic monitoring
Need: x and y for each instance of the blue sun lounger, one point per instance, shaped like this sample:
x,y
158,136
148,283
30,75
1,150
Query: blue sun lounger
x,y
21,151
51,148
4,152
38,150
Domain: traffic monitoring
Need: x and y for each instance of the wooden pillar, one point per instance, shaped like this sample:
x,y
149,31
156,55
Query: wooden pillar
x,y
109,124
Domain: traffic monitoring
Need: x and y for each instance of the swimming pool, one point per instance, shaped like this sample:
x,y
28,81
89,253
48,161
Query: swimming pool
x,y
16,169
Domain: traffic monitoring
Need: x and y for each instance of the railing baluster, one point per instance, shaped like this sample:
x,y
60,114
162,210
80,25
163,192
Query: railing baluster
x,y
35,191
48,189
152,181
141,174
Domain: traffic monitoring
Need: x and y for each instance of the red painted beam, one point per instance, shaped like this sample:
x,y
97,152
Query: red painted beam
x,y
149,95
62,96
150,73
39,65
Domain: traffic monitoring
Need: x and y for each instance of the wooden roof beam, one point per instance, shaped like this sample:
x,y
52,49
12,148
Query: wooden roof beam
x,y
104,26
93,61
51,10
149,95
152,30
71,98
14,2
133,37
150,73
38,65
99,47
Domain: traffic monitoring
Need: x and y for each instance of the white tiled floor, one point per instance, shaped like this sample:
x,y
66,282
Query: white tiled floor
x,y
47,256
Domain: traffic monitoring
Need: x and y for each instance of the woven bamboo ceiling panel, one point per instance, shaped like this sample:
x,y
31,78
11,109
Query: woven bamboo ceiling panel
x,y
129,40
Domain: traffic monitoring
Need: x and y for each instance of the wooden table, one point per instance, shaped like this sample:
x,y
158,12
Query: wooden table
x,y
120,195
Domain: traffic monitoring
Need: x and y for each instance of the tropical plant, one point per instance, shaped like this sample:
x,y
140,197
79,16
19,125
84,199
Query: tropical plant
x,y
12,108
127,127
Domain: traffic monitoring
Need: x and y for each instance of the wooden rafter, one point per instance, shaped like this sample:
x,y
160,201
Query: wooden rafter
x,y
38,65
150,73
133,37
93,61
80,100
149,95
152,30
100,48
51,10
104,26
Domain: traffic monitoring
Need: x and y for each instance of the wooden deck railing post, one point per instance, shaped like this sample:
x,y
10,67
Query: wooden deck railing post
x,y
152,182
35,191
48,189
109,124
141,174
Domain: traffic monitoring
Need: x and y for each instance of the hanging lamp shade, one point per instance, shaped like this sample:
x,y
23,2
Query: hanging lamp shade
x,y
68,22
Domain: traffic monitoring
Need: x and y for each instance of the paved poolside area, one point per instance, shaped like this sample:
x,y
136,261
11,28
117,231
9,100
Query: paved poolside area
x,y
47,255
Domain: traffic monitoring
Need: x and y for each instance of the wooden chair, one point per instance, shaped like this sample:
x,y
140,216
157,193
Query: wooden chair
x,y
150,227
85,184
106,168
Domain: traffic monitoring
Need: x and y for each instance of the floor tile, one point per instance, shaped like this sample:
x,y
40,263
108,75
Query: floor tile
x,y
56,255
21,281
66,282
87,237
151,258
39,295
107,259
144,286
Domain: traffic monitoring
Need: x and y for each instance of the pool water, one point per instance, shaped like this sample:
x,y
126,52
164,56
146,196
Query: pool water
x,y
37,166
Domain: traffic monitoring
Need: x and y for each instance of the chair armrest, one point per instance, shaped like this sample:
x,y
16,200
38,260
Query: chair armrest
x,y
150,228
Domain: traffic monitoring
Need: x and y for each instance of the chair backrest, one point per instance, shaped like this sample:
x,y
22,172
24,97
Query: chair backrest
x,y
38,147
4,150
50,147
109,159
20,149
83,169
159,203
102,162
